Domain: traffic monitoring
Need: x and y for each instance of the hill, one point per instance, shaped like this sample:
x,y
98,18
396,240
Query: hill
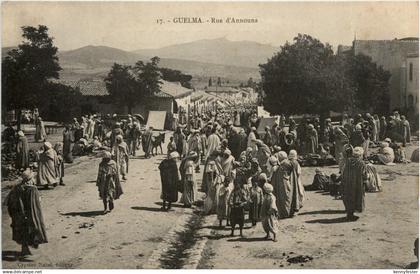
x,y
216,51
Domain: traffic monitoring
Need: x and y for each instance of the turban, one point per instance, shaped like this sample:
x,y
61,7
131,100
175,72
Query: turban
x,y
27,174
293,154
263,177
47,145
282,155
106,155
268,188
358,152
173,155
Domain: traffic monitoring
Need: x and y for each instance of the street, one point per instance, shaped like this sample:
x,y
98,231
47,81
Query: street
x,y
137,234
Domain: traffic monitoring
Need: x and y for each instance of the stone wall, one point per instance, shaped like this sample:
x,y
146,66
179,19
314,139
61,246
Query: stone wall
x,y
391,55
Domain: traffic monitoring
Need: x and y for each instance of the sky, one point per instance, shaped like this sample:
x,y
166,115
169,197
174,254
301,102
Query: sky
x,y
133,25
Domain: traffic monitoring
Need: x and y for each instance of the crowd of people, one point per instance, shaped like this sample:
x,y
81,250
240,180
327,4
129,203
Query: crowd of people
x,y
254,173
246,171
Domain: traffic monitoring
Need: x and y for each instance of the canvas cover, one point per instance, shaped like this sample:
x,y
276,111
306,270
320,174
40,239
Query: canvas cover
x,y
156,119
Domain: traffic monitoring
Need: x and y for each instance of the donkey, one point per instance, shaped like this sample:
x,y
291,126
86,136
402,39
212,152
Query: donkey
x,y
157,141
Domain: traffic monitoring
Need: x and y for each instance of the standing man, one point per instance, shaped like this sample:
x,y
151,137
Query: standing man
x,y
120,155
23,205
170,178
40,134
189,194
406,131
108,183
213,142
67,143
354,179
47,167
194,144
22,151
147,142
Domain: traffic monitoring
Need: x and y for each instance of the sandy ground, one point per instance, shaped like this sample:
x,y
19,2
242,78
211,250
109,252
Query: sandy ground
x,y
383,237
122,239
81,237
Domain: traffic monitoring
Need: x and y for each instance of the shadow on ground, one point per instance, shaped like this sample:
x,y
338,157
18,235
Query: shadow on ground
x,y
84,213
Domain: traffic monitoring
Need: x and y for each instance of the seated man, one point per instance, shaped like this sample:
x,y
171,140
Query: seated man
x,y
385,155
320,181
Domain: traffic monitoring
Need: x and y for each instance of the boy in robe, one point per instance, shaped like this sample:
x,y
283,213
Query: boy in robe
x,y
223,208
256,197
269,212
60,164
237,202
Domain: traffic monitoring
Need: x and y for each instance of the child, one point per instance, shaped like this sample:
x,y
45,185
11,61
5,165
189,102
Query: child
x,y
223,208
269,212
335,185
237,202
256,197
60,164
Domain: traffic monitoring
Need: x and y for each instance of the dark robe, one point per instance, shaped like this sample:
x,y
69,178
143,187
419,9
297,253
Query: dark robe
x,y
268,139
169,178
354,178
24,208
67,147
243,142
108,181
357,139
237,202
234,144
22,150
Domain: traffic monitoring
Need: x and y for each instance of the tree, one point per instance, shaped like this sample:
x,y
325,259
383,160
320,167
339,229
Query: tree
x,y
122,86
173,75
27,69
302,78
148,76
210,82
63,102
129,85
219,82
370,82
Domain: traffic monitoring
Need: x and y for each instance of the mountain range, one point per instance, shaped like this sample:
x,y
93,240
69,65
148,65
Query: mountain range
x,y
233,61
216,51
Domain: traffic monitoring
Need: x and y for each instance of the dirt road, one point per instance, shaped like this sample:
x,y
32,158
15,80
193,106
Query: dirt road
x,y
81,237
383,237
138,235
